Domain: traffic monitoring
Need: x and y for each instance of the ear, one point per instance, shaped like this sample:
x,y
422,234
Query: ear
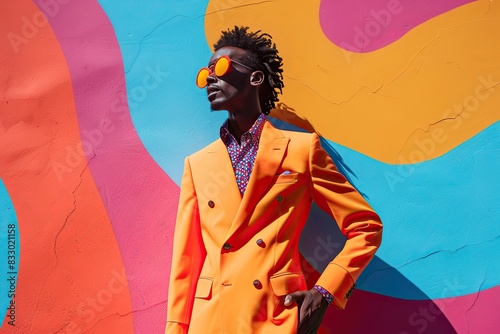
x,y
257,78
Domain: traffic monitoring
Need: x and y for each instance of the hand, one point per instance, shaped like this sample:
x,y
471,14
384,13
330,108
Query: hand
x,y
312,307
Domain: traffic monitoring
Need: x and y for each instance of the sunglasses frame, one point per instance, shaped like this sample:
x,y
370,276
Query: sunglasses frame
x,y
209,71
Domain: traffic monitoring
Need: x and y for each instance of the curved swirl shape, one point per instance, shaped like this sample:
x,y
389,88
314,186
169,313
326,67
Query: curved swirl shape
x,y
98,114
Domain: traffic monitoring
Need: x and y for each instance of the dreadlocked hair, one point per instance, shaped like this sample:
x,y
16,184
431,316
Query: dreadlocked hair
x,y
261,55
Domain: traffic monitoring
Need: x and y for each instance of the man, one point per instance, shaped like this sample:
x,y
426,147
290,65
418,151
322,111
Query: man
x,y
243,203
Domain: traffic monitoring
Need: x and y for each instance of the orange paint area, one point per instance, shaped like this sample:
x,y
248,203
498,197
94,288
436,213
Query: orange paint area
x,y
71,278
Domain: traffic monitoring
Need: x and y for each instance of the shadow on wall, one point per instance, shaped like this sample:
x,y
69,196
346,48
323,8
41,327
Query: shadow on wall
x,y
367,312
285,118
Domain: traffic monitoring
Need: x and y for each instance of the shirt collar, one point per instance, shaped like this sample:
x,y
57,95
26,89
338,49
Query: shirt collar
x,y
254,132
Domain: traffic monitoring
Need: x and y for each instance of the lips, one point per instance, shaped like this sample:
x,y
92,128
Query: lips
x,y
212,91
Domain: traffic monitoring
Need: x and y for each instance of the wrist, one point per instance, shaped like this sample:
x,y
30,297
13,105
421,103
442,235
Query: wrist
x,y
324,293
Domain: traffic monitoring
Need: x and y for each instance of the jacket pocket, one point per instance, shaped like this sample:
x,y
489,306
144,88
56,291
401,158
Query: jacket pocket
x,y
285,283
204,288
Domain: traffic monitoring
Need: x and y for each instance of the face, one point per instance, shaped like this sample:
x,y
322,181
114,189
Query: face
x,y
230,91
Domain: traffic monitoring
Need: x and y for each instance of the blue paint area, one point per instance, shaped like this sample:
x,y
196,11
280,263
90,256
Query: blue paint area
x,y
173,119
440,216
8,231
441,222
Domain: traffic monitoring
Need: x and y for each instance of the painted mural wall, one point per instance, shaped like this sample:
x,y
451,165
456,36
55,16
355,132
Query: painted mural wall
x,y
98,109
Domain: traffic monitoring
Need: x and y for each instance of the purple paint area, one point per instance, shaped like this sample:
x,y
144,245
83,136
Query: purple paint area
x,y
368,25
368,312
141,200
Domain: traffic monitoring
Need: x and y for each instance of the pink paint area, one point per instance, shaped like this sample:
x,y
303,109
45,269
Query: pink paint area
x,y
368,25
141,200
368,312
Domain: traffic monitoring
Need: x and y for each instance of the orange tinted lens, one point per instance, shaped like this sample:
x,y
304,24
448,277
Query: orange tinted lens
x,y
201,78
222,66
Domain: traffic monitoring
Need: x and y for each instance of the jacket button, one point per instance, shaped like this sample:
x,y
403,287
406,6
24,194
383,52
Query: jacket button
x,y
211,204
279,198
256,283
226,246
349,293
260,242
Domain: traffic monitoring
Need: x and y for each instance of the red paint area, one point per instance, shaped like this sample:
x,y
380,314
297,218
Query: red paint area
x,y
368,312
140,199
71,271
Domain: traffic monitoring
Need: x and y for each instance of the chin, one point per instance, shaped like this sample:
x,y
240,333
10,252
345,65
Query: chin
x,y
216,106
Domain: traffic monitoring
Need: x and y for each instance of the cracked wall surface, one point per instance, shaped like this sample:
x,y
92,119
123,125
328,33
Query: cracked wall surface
x,y
98,108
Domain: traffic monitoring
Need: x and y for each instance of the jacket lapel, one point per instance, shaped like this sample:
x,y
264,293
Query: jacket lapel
x,y
221,176
272,146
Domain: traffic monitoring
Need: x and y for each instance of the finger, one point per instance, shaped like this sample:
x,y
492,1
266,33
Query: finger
x,y
293,297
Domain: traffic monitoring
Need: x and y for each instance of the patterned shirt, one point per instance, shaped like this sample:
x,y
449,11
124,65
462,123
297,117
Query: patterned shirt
x,y
243,158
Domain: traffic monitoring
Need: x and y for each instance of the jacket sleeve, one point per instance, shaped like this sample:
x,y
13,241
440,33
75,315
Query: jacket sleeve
x,y
355,218
187,257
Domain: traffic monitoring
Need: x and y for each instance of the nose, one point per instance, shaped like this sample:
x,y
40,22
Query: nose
x,y
211,78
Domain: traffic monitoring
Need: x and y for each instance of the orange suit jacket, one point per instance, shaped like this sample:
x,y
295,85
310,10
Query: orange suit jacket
x,y
235,258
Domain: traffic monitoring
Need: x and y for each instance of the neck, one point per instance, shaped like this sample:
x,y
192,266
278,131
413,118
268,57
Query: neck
x,y
239,123
244,114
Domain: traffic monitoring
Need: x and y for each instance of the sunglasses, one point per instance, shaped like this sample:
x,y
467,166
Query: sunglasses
x,y
220,67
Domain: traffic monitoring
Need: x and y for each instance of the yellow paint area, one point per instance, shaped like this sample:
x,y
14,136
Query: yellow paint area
x,y
408,102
